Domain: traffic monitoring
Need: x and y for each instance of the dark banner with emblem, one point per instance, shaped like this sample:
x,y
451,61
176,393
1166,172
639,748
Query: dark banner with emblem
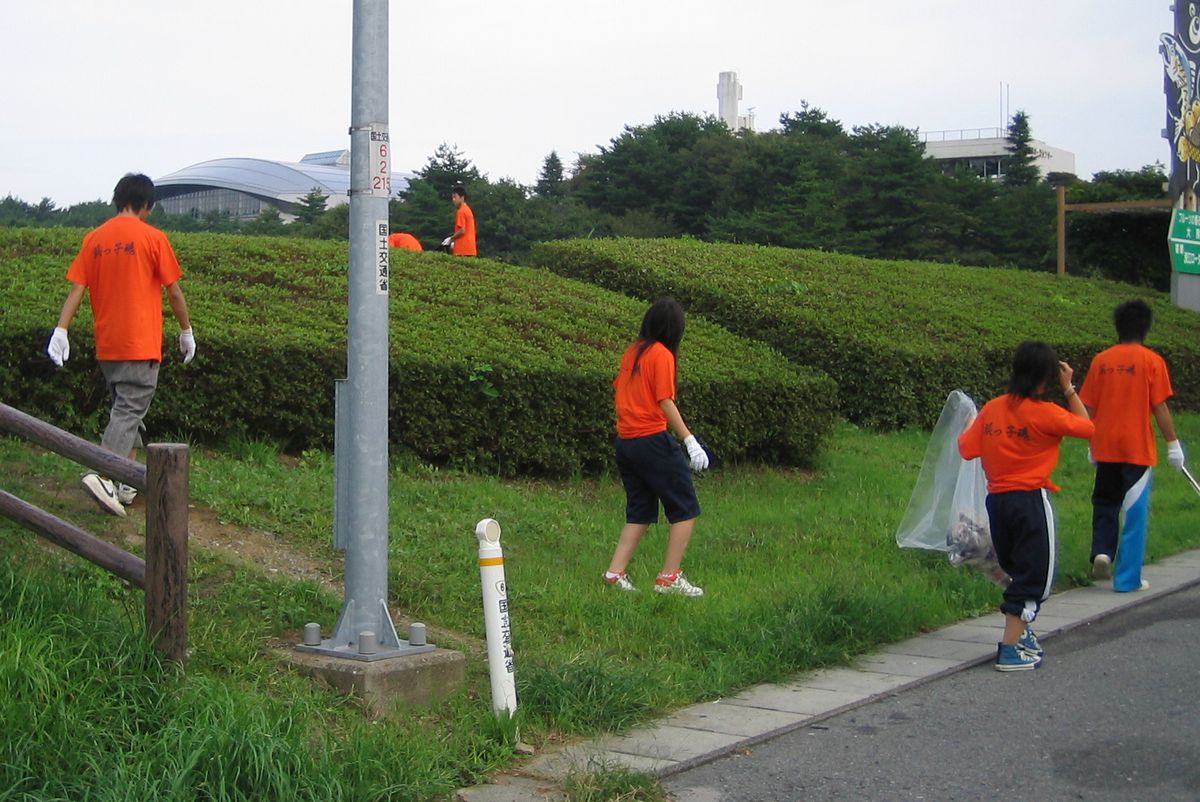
x,y
1181,63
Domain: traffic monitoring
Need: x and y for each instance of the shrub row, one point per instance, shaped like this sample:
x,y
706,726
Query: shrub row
x,y
497,367
895,335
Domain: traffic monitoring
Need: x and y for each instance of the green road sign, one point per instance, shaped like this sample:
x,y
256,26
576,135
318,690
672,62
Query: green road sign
x,y
1185,242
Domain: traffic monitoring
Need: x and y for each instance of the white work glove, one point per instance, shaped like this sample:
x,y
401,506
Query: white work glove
x,y
1175,454
696,455
59,348
187,345
446,242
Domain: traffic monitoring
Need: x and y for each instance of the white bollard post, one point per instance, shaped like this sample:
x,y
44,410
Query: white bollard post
x,y
495,617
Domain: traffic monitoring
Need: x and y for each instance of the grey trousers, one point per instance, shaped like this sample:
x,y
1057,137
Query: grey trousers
x,y
132,386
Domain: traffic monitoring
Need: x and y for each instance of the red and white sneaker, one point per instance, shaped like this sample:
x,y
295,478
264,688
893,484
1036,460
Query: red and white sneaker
x,y
677,584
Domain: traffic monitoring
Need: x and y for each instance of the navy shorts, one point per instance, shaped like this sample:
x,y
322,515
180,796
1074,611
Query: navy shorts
x,y
653,469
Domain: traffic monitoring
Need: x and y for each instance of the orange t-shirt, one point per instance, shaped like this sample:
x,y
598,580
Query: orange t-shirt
x,y
465,219
1018,442
402,239
124,264
1122,384
637,394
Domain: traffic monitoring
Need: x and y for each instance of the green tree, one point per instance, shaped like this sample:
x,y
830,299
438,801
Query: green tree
x,y
423,212
1020,168
886,191
269,223
86,215
333,224
310,207
447,167
1127,245
550,183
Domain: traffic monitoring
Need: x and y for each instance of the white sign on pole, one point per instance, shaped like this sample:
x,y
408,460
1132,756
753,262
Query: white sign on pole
x,y
383,275
381,162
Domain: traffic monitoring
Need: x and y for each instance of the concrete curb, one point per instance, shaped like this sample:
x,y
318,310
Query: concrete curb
x,y
705,732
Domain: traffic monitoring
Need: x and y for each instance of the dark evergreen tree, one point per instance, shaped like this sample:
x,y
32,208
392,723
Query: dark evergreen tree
x,y
1020,167
550,183
310,207
447,167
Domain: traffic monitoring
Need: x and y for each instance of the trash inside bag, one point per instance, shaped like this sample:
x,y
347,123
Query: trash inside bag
x,y
947,511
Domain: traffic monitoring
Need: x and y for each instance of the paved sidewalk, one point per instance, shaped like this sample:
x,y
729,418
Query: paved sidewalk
x,y
704,732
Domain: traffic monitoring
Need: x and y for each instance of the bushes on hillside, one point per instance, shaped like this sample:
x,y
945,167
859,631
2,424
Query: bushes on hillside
x,y
896,336
496,367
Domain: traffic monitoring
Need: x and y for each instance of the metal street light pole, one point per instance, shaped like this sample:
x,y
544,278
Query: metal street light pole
x,y
364,630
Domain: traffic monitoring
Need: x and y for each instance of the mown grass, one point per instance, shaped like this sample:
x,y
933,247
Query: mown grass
x,y
800,570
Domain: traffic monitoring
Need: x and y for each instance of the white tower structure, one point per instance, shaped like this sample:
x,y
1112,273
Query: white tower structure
x,y
729,92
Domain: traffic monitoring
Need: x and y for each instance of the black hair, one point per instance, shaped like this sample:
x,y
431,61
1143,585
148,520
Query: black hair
x,y
1132,320
134,192
662,323
460,190
1034,369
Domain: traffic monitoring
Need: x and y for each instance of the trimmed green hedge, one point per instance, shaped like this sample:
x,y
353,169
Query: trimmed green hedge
x,y
495,367
896,336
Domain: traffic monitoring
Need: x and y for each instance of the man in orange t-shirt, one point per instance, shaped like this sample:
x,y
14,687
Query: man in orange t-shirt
x,y
123,267
1126,386
462,241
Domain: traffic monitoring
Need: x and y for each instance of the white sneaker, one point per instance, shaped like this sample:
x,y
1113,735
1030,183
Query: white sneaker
x,y
104,493
620,581
126,493
1102,567
677,584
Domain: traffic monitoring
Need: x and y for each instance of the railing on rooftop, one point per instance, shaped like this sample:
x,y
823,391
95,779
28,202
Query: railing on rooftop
x,y
960,134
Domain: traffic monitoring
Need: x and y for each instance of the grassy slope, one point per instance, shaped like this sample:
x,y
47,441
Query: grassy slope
x,y
895,335
493,366
800,570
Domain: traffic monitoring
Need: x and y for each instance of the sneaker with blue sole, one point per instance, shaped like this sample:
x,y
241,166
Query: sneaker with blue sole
x,y
1030,644
1010,657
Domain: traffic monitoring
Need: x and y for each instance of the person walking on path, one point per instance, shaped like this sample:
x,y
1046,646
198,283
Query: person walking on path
x,y
1017,436
462,241
1126,386
123,267
652,466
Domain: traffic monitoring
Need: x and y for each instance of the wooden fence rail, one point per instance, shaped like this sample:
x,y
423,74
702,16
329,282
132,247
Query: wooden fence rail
x,y
164,481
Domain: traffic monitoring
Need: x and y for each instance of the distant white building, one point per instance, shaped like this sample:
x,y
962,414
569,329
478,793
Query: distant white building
x,y
243,188
729,93
985,151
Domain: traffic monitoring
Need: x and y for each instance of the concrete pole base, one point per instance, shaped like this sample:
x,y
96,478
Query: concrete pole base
x,y
415,680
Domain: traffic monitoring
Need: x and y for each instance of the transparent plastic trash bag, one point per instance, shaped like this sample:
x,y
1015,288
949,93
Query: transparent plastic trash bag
x,y
947,511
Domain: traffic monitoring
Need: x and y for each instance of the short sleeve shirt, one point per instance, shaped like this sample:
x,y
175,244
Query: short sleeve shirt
x,y
465,219
1122,385
638,394
1018,440
125,263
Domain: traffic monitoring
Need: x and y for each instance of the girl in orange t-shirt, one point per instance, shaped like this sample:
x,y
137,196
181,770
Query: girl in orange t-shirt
x,y
1017,437
652,466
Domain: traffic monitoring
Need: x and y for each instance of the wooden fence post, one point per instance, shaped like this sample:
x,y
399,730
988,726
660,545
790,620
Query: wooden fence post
x,y
167,548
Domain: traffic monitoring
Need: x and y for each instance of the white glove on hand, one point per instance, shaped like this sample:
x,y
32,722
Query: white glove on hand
x,y
696,455
1091,459
59,348
187,345
1175,454
447,241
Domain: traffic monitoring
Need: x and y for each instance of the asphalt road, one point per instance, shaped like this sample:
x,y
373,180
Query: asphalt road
x,y
1112,714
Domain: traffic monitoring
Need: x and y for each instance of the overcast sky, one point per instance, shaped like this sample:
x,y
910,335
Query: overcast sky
x,y
93,89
